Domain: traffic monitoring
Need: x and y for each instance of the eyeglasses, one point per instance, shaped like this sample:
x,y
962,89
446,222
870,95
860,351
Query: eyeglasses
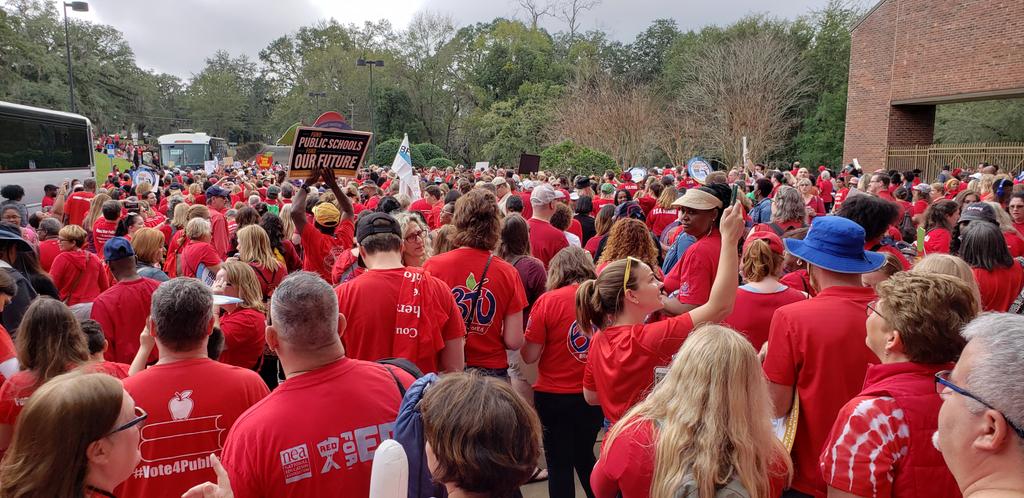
x,y
625,276
872,307
415,236
140,417
942,382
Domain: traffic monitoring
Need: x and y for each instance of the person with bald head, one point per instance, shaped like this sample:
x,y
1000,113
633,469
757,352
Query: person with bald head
x,y
315,435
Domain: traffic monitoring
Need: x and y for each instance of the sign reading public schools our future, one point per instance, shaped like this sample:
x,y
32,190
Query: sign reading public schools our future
x,y
340,150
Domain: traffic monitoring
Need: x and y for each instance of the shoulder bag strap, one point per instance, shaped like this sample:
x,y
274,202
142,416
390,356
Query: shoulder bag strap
x,y
476,293
78,278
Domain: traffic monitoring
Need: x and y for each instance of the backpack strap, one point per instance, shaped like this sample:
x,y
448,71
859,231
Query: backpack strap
x,y
476,293
776,228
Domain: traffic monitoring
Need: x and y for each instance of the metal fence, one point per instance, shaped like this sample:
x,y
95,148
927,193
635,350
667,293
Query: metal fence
x,y
931,158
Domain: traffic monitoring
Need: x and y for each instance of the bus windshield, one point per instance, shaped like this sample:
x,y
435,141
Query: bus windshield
x,y
190,155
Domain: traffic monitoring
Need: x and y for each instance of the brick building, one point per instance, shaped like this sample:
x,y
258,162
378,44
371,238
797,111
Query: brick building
x,y
906,56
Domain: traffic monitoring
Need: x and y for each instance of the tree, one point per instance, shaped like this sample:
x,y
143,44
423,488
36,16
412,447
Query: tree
x,y
216,99
568,158
571,11
517,125
429,151
751,85
647,52
385,153
535,11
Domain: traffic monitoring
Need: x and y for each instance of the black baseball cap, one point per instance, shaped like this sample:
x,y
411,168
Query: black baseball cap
x,y
374,223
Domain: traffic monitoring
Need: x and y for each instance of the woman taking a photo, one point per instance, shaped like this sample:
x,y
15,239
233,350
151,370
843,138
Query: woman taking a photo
x,y
757,300
880,442
999,277
623,355
78,274
939,220
570,423
78,437
243,324
704,431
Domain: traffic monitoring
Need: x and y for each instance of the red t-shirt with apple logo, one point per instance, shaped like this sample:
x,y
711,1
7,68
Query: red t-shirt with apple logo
x,y
191,405
503,294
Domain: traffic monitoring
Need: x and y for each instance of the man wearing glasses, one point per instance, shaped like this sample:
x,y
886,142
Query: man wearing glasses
x,y
981,422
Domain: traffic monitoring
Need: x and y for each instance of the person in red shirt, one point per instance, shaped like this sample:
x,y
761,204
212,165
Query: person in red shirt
x,y
554,339
664,214
51,343
545,240
192,401
98,346
217,200
693,274
623,356
397,310
881,442
487,290
78,203
939,221
816,347
49,198
200,259
628,185
698,401
332,229
1000,278
314,435
9,365
825,189
876,217
254,250
78,274
650,196
242,324
757,300
105,227
121,310
606,197
49,246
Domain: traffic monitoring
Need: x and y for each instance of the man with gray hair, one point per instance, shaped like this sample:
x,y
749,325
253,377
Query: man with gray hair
x,y
981,423
315,435
191,399
48,248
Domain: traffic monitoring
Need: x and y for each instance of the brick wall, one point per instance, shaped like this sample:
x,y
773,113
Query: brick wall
x,y
925,52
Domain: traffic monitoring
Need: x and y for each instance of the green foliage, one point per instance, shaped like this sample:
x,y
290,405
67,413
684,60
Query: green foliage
x,y
516,126
987,121
568,158
385,153
429,151
440,163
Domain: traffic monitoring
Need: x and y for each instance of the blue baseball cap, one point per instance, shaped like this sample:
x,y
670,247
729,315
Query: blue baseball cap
x,y
117,248
216,191
836,244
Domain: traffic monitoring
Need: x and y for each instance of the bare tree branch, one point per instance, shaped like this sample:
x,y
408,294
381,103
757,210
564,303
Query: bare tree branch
x,y
535,11
571,11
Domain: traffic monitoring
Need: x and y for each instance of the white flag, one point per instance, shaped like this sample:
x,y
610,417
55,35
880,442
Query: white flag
x,y
402,166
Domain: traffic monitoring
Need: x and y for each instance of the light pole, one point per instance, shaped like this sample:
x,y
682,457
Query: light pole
x,y
316,98
370,63
77,7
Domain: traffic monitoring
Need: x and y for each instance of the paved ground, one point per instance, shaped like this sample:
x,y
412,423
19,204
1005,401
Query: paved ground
x,y
540,489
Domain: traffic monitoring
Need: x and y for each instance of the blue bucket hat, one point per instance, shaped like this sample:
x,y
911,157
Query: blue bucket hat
x,y
836,244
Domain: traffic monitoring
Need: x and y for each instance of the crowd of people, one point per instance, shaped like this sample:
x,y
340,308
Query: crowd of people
x,y
756,333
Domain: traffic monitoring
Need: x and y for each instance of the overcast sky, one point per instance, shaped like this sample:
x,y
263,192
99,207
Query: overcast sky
x,y
176,36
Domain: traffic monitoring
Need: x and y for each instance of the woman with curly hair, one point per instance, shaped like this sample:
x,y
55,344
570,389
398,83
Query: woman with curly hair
x,y
488,289
630,237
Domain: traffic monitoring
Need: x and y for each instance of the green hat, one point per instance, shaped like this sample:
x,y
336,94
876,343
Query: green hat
x,y
607,188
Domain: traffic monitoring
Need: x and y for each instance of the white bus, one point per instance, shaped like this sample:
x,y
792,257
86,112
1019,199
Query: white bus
x,y
189,150
40,146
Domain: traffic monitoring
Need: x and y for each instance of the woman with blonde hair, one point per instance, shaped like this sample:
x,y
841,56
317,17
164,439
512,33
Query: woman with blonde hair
x,y
630,238
813,204
570,423
176,248
289,226
761,265
442,239
200,259
664,213
704,430
95,213
623,355
947,264
254,250
245,323
148,244
414,232
78,437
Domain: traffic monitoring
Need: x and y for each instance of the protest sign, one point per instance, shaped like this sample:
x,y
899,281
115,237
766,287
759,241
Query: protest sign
x,y
699,169
264,161
529,163
228,161
209,167
482,166
339,150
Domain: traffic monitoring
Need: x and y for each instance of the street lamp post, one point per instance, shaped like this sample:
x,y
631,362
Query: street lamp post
x,y
316,98
77,7
370,63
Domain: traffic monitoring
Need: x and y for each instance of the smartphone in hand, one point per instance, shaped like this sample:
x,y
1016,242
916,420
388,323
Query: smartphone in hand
x,y
733,194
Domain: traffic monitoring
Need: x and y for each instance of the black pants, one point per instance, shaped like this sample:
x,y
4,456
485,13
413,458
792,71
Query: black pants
x,y
792,493
570,430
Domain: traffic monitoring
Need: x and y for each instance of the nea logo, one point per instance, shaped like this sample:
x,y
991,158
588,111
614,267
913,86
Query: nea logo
x,y
578,343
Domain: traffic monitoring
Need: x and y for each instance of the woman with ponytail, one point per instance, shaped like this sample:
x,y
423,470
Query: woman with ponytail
x,y
757,300
625,352
703,432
